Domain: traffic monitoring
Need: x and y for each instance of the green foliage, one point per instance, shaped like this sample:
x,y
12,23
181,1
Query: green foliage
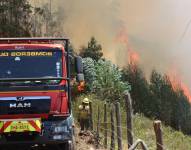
x,y
15,18
155,88
93,50
104,79
158,99
140,89
172,105
163,92
20,19
155,99
182,113
108,83
89,73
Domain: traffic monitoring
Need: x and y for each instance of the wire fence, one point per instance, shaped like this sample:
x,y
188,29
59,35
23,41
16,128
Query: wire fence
x,y
112,134
171,139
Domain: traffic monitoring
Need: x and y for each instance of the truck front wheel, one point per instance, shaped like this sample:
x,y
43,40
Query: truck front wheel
x,y
70,145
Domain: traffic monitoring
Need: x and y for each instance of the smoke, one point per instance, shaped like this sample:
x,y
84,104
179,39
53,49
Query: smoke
x,y
87,18
157,30
93,18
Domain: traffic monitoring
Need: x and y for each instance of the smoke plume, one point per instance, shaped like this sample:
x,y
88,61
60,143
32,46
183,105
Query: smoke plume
x,y
157,30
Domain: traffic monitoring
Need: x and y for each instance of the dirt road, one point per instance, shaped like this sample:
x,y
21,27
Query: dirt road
x,y
82,142
85,141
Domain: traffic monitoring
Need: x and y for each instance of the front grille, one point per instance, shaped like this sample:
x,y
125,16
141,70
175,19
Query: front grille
x,y
25,105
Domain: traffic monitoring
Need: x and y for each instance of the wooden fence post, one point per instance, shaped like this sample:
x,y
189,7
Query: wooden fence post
x,y
129,114
105,125
98,126
118,119
91,117
158,133
112,129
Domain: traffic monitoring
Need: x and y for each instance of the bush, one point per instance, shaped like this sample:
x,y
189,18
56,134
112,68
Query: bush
x,y
108,84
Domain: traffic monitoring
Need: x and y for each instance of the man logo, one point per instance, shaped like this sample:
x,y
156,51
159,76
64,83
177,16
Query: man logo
x,y
20,98
20,105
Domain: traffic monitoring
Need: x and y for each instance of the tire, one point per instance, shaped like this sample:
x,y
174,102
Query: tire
x,y
70,145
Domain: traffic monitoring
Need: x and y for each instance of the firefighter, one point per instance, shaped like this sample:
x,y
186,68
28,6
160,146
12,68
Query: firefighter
x,y
84,114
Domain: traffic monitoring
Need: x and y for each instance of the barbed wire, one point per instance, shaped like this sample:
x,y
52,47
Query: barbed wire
x,y
134,136
133,133
120,137
163,133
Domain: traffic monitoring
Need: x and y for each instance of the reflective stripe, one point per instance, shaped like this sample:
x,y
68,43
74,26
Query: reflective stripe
x,y
1,126
38,123
32,125
5,125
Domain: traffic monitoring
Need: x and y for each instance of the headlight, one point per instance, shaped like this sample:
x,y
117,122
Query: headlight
x,y
57,137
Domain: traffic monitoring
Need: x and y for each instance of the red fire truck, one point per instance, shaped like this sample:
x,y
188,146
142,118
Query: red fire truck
x,y
35,91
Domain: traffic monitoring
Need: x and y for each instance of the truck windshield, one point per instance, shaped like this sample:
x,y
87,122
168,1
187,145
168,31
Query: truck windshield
x,y
30,63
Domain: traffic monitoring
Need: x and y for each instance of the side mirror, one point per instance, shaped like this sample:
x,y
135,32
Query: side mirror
x,y
80,77
78,65
79,68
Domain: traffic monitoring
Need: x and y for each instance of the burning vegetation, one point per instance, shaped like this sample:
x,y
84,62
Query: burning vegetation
x,y
164,97
178,84
133,56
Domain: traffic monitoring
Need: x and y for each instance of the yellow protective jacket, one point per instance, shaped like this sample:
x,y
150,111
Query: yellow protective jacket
x,y
84,112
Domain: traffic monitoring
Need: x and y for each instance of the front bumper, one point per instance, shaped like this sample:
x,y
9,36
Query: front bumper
x,y
53,132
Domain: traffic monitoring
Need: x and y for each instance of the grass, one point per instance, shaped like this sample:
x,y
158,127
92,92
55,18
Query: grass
x,y
142,128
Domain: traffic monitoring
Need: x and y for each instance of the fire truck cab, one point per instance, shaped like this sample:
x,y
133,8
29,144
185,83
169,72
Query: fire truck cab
x,y
35,92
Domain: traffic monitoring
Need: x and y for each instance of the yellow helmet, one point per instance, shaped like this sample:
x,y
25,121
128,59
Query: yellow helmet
x,y
86,100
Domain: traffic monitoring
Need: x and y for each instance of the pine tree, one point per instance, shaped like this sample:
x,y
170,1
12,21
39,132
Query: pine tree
x,y
140,89
93,50
15,18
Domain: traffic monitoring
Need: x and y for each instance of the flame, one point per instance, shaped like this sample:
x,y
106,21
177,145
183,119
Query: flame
x,y
186,91
134,59
133,56
177,84
174,79
122,37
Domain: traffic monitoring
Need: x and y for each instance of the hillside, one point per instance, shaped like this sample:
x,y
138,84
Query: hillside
x,y
173,140
143,128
